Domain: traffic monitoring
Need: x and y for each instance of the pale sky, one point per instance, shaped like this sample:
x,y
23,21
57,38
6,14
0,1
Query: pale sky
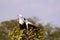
x,y
46,10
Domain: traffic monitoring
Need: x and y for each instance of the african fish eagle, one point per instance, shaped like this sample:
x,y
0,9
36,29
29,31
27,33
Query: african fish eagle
x,y
24,23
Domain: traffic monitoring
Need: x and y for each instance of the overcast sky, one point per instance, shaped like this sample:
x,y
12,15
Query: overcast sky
x,y
46,10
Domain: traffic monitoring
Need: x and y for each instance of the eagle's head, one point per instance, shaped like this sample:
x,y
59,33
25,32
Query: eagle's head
x,y
19,15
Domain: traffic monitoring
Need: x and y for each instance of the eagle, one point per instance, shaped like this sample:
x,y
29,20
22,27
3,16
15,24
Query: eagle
x,y
24,23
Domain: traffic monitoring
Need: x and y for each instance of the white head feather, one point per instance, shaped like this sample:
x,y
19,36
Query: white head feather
x,y
19,15
20,19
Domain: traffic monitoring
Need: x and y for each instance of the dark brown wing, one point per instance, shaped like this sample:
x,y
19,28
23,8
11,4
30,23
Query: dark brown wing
x,y
31,26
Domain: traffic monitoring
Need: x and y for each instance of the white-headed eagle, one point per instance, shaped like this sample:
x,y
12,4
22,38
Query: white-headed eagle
x,y
24,23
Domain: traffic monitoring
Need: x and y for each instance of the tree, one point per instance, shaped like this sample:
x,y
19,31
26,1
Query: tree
x,y
34,34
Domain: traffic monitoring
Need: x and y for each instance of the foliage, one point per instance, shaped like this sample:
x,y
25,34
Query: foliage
x,y
10,30
17,34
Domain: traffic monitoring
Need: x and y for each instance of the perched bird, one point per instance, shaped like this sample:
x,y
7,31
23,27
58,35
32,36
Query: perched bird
x,y
24,23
